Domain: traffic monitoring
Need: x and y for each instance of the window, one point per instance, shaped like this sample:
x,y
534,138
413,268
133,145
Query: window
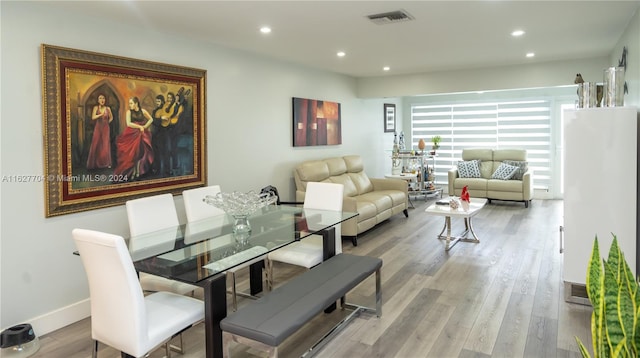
x,y
522,124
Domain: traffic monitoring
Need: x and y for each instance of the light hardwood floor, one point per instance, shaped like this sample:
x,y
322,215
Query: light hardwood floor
x,y
502,297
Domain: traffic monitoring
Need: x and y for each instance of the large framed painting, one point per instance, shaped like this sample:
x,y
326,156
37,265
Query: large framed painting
x,y
316,122
118,128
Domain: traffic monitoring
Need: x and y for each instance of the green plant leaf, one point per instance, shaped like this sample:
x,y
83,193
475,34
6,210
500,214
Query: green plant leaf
x,y
619,349
614,332
626,314
614,293
583,349
595,291
627,306
613,258
636,335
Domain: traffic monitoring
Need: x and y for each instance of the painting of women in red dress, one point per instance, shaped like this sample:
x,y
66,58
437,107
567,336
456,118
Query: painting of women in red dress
x,y
100,149
134,148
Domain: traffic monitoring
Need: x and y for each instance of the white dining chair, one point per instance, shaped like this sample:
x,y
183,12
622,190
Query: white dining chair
x,y
197,210
155,213
308,252
122,317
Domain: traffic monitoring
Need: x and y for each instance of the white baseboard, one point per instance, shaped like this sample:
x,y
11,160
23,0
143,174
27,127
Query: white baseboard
x,y
59,318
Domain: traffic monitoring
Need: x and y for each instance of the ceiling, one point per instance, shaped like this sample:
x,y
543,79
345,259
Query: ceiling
x,y
444,35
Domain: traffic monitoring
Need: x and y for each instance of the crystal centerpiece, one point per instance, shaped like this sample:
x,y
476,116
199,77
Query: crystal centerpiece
x,y
240,206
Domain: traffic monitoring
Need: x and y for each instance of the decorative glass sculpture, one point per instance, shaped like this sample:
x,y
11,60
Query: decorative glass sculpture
x,y
240,206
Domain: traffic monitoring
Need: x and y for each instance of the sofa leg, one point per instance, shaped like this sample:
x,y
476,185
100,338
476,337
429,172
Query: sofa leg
x,y
354,240
406,213
488,201
526,203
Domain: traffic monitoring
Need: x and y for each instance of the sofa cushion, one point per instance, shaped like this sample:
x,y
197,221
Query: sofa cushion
x,y
336,166
469,169
471,183
380,200
522,168
487,169
504,185
313,171
361,181
504,171
353,163
349,187
397,197
366,210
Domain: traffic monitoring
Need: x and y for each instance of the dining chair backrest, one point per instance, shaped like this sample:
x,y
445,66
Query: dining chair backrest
x,y
118,314
151,213
326,196
195,208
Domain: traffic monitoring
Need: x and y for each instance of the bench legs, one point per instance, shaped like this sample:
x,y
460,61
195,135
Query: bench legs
x,y
227,338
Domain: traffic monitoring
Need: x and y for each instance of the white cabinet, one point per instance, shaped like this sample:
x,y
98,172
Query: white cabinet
x,y
600,189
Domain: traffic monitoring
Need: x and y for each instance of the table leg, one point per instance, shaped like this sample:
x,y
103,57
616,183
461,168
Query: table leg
x,y
451,241
328,251
328,243
447,221
255,277
470,228
215,310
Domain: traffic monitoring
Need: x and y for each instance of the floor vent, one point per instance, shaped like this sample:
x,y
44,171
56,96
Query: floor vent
x,y
390,17
576,293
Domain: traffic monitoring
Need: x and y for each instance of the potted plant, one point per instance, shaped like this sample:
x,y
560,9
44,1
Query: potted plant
x,y
436,144
613,292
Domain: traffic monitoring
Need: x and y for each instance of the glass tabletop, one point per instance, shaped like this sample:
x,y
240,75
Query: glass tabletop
x,y
198,250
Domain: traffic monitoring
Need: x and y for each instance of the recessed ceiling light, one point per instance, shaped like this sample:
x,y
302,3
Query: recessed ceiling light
x,y
386,68
517,33
341,54
530,54
265,29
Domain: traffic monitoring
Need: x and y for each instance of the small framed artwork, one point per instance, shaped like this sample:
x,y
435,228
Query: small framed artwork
x,y
389,117
118,128
316,122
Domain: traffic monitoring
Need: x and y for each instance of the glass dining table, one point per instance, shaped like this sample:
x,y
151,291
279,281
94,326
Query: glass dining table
x,y
201,252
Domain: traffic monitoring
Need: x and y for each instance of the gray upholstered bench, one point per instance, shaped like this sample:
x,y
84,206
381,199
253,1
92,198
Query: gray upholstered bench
x,y
267,322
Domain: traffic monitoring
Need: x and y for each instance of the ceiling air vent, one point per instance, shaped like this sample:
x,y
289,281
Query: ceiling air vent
x,y
390,17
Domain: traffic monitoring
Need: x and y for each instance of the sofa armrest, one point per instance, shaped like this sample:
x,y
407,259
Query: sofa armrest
x,y
389,184
452,174
350,227
300,195
527,185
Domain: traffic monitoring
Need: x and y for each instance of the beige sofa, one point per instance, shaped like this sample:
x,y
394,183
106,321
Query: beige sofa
x,y
485,186
374,199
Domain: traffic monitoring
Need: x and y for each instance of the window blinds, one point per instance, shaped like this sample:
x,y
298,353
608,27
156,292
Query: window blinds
x,y
507,124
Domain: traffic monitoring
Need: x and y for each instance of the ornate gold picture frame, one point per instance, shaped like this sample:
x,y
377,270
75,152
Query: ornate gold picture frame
x,y
117,128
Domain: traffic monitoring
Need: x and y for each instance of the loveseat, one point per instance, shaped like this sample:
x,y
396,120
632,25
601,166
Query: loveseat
x,y
495,177
375,199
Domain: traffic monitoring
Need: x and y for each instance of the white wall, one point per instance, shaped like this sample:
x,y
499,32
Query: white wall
x,y
630,39
249,143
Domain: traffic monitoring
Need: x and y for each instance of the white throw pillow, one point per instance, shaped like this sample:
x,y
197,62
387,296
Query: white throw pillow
x,y
504,171
469,169
522,168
